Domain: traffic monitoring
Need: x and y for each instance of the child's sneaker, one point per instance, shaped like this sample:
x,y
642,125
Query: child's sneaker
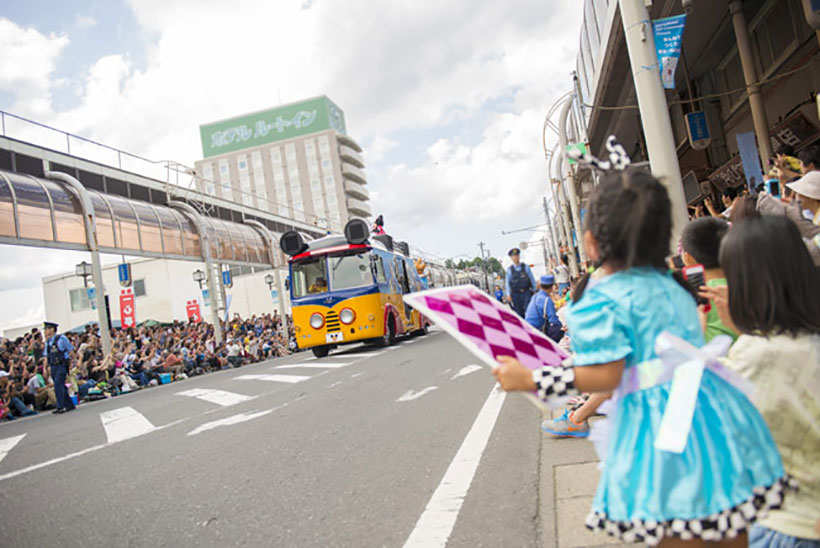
x,y
565,427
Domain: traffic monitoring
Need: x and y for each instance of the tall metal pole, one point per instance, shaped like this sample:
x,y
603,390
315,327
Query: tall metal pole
x,y
657,128
280,304
484,266
573,194
209,265
744,50
90,221
556,254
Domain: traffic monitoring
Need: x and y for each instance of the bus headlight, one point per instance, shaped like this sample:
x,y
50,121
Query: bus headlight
x,y
347,316
317,320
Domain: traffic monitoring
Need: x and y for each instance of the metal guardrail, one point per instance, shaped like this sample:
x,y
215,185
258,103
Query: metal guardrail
x,y
180,179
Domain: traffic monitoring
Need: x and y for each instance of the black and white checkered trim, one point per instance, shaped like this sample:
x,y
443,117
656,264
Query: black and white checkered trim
x,y
555,381
727,524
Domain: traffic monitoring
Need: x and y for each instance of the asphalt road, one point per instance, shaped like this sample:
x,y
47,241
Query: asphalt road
x,y
350,450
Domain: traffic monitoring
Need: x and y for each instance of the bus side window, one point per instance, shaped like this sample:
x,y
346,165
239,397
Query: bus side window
x,y
380,275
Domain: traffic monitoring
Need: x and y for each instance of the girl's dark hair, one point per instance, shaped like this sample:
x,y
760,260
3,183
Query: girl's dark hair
x,y
630,217
744,208
773,283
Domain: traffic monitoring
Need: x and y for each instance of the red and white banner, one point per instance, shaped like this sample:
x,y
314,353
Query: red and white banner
x,y
192,309
128,313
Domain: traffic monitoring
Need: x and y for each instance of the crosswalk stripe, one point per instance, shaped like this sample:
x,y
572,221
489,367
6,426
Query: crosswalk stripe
x,y
236,419
322,365
273,378
8,444
219,397
124,423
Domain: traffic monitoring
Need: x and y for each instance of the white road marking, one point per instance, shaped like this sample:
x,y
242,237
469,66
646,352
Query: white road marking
x,y
8,444
354,375
236,419
291,379
410,395
219,397
335,384
464,371
323,365
436,523
70,456
125,423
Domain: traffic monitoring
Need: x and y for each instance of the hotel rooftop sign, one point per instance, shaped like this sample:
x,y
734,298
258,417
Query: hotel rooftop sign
x,y
272,125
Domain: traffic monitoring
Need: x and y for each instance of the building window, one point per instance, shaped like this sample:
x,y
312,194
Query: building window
x,y
79,299
330,182
773,35
284,211
326,165
139,288
243,164
331,200
315,185
208,179
310,148
729,77
290,153
275,155
324,144
293,174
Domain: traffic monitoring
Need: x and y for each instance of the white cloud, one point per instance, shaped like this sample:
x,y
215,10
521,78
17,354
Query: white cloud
x,y
426,68
84,21
26,66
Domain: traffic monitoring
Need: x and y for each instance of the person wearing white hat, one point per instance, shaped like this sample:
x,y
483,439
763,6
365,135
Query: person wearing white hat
x,y
807,188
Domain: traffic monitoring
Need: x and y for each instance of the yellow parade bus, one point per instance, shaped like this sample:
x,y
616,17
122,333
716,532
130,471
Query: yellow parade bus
x,y
348,289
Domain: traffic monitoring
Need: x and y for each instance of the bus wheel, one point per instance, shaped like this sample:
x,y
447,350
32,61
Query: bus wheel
x,y
422,331
320,351
389,334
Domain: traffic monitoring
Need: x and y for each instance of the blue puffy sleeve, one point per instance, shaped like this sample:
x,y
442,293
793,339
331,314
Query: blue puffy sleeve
x,y
599,332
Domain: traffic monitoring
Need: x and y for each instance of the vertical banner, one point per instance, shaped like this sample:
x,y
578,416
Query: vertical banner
x,y
668,34
192,309
747,145
128,314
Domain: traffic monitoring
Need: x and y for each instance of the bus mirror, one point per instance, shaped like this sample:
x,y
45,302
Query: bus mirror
x,y
373,268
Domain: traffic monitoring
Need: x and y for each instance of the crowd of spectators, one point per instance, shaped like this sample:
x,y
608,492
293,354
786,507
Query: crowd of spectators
x,y
140,357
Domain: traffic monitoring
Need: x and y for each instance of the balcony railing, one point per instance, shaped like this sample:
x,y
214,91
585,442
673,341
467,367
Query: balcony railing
x,y
356,190
352,172
350,155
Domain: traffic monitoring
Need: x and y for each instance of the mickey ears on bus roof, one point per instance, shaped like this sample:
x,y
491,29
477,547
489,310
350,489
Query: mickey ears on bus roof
x,y
356,231
617,160
292,243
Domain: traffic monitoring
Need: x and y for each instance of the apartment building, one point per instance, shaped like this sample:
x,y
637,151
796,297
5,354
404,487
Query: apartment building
x,y
295,160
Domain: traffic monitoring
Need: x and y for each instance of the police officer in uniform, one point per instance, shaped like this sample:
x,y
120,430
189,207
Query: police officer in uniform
x,y
541,312
520,283
58,352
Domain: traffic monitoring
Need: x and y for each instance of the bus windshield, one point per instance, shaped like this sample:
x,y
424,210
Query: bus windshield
x,y
309,277
350,270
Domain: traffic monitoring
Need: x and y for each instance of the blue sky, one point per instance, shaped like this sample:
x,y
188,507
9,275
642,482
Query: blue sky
x,y
447,99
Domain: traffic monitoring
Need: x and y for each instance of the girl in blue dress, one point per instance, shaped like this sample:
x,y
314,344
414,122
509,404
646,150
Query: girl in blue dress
x,y
703,473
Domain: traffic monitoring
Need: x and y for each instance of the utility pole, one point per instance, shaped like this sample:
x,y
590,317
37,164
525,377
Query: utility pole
x,y
484,265
547,220
744,50
657,128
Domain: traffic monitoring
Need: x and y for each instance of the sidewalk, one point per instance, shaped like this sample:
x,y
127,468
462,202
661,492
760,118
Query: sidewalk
x,y
569,475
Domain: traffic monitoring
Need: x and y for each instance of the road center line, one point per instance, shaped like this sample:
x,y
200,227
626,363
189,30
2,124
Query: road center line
x,y
291,379
236,419
436,523
321,365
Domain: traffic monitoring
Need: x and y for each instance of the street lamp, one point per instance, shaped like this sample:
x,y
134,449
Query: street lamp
x,y
83,269
270,281
199,277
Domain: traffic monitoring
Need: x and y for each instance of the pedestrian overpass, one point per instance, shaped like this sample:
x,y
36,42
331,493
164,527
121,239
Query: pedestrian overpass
x,y
53,198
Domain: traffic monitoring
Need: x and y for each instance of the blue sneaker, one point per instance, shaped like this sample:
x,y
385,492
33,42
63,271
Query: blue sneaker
x,y
565,427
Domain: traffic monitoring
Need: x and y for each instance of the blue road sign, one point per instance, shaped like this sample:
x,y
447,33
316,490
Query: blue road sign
x,y
227,281
124,273
698,129
92,297
206,297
